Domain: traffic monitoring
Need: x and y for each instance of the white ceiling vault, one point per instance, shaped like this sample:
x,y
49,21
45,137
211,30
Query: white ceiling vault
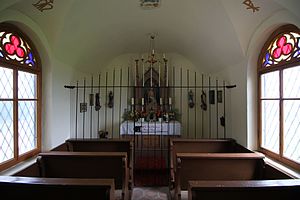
x,y
210,33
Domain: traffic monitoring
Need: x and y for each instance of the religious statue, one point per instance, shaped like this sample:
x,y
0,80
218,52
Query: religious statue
x,y
151,103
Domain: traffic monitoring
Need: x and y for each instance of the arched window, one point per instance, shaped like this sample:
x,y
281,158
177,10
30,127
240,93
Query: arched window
x,y
20,97
279,96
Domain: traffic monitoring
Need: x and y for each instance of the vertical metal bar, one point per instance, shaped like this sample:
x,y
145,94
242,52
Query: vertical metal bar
x,y
91,109
209,107
202,120
83,115
195,108
120,105
173,96
98,117
112,114
76,110
217,108
106,75
224,107
181,90
188,108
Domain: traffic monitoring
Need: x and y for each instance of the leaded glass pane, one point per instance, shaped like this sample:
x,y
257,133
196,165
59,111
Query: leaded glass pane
x,y
6,131
291,82
270,125
27,85
291,145
270,85
6,83
27,126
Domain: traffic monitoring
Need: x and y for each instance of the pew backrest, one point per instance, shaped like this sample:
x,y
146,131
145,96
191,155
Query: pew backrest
x,y
85,165
217,166
104,145
12,187
246,190
178,145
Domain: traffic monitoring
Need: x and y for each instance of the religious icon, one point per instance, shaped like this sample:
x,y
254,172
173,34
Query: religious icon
x,y
150,3
190,99
42,5
97,104
110,99
203,101
250,5
219,96
83,107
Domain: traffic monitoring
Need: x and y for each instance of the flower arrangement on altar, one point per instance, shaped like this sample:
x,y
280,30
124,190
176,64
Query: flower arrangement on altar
x,y
151,116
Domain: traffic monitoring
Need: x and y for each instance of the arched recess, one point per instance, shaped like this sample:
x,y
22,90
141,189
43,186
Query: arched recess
x,y
20,96
255,45
278,71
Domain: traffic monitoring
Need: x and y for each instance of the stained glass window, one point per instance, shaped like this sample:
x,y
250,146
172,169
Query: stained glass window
x,y
15,48
279,96
20,76
285,47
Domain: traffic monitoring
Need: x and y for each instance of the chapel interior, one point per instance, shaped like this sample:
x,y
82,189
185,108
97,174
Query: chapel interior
x,y
150,99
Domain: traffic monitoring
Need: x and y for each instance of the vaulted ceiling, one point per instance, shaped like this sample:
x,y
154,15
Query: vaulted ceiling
x,y
212,34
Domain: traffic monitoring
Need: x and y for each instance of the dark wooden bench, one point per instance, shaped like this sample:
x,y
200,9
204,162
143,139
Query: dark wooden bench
x,y
104,145
56,188
86,165
178,145
246,190
216,166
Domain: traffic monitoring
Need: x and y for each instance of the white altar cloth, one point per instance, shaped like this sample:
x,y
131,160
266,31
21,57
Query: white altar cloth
x,y
150,128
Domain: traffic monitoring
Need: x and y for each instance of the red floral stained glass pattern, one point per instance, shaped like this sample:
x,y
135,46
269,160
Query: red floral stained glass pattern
x,y
283,48
15,48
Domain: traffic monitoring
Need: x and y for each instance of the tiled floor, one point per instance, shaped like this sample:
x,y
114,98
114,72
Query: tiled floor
x,y
150,193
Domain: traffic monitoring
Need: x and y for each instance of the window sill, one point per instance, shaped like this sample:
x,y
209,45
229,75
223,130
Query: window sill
x,y
18,167
279,166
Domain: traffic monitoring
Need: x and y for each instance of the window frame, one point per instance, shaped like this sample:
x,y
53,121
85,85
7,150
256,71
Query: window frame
x,y
16,67
281,66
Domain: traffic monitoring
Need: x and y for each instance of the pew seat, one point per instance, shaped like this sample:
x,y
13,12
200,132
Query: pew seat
x,y
112,165
216,166
246,190
12,187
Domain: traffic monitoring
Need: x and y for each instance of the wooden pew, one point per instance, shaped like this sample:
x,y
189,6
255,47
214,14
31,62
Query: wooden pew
x,y
56,188
105,145
216,166
177,145
246,190
86,165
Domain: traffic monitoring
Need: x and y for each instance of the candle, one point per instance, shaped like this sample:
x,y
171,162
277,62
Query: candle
x,y
167,76
142,101
164,56
132,101
160,101
159,74
170,101
151,75
143,72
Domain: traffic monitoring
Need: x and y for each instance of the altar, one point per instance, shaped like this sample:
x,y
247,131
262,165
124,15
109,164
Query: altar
x,y
151,128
